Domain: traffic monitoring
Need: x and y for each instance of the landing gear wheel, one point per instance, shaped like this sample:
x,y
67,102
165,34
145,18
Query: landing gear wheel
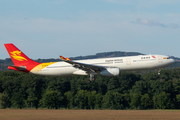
x,y
159,72
92,77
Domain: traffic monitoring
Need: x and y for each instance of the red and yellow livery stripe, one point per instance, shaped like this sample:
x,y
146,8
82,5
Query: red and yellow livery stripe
x,y
41,66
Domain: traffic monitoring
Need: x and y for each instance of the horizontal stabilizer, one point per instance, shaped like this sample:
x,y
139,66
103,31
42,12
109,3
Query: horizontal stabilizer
x,y
21,68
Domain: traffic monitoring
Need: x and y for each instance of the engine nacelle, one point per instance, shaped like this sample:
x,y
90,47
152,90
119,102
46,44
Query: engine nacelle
x,y
110,72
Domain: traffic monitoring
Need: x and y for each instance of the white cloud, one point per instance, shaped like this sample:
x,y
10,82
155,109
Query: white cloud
x,y
121,1
144,4
154,2
154,23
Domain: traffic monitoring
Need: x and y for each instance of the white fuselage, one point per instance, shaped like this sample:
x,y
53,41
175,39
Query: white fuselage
x,y
130,63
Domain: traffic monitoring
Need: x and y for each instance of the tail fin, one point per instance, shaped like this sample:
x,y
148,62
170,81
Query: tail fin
x,y
19,59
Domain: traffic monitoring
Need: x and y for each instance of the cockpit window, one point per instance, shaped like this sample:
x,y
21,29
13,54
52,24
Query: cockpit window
x,y
168,57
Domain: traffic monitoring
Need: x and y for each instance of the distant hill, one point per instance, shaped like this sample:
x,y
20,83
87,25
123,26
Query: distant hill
x,y
107,54
4,63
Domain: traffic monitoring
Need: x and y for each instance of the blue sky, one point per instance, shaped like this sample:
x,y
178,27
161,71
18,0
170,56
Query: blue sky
x,y
49,28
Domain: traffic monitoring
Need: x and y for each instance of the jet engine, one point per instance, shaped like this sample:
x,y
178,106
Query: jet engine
x,y
110,72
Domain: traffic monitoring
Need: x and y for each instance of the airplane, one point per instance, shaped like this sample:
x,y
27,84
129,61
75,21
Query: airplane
x,y
103,66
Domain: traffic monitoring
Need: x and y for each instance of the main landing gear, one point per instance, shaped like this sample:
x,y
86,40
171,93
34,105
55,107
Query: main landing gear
x,y
159,71
92,78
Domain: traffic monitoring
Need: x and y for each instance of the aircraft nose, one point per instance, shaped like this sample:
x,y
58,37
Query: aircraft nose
x,y
173,61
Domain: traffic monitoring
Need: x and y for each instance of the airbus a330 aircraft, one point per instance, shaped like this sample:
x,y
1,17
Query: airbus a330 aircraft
x,y
102,66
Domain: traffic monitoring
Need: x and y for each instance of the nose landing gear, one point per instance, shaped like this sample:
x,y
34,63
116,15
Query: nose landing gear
x,y
159,71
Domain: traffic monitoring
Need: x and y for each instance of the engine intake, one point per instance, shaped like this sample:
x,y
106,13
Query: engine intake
x,y
110,72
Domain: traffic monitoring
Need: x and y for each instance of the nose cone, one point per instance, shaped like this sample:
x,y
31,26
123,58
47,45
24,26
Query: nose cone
x,y
172,61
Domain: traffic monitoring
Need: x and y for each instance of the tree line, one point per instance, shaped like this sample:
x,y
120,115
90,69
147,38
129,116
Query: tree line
x,y
129,90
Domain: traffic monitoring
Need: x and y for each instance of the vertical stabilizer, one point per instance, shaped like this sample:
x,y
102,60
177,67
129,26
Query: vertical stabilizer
x,y
19,59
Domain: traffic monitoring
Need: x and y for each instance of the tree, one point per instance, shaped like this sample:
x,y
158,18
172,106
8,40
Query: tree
x,y
178,101
176,84
163,100
127,100
135,101
81,99
70,99
92,99
51,99
18,97
108,100
3,99
113,83
35,87
146,102
113,100
128,90
118,101
141,87
98,102
126,81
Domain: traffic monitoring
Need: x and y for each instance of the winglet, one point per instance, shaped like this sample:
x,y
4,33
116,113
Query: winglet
x,y
62,58
68,59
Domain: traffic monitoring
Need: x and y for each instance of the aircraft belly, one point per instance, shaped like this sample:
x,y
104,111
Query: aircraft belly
x,y
164,64
57,71
139,66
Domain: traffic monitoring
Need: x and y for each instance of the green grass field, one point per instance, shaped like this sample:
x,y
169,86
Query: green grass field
x,y
32,114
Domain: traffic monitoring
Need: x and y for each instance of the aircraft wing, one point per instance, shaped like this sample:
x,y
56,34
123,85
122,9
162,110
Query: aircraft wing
x,y
86,67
